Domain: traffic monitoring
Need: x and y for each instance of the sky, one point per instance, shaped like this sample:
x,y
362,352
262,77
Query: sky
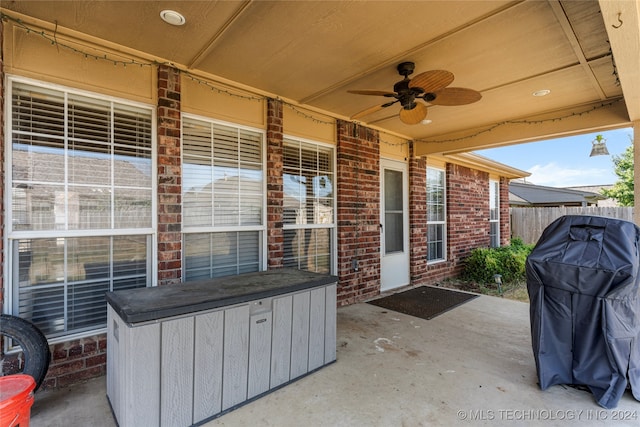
x,y
565,162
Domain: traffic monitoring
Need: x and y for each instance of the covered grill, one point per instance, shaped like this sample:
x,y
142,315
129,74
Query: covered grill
x,y
583,284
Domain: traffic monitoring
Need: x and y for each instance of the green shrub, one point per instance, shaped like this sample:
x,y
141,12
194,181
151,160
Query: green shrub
x,y
509,261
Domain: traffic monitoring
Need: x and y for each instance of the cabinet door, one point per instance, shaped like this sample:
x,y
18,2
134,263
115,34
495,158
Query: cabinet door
x,y
259,353
281,346
135,367
207,386
300,335
236,356
316,328
177,372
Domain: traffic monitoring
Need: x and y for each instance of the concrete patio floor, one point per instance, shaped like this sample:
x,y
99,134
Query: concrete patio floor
x,y
472,365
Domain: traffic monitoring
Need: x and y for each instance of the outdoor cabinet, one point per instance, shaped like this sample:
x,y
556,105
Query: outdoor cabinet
x,y
181,355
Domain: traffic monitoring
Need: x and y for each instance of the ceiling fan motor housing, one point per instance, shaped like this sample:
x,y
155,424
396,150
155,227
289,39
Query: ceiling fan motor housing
x,y
406,68
405,94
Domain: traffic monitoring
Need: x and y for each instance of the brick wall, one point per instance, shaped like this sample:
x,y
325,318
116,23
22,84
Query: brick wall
x,y
467,220
275,192
169,177
77,360
358,212
468,212
418,218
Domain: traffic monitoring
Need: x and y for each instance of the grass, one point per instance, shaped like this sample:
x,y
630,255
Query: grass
x,y
516,290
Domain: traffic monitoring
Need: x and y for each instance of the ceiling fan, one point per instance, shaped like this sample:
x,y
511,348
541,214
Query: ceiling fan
x,y
430,86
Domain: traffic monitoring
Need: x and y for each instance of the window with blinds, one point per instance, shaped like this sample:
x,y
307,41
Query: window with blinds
x,y
223,199
436,215
309,205
494,213
80,171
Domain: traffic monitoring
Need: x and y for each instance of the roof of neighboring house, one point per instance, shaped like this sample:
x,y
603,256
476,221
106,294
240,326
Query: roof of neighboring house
x,y
606,202
592,188
524,194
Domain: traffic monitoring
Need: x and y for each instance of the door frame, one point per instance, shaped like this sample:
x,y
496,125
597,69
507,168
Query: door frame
x,y
395,267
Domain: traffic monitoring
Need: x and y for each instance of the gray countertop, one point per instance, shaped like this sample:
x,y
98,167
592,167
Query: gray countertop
x,y
145,304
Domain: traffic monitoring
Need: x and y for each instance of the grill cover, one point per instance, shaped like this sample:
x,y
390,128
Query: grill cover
x,y
582,279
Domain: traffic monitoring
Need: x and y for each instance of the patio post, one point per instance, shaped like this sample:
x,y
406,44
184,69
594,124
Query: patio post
x,y
169,177
636,171
2,174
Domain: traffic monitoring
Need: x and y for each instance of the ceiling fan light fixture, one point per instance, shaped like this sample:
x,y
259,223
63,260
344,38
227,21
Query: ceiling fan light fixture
x,y
414,115
172,17
541,92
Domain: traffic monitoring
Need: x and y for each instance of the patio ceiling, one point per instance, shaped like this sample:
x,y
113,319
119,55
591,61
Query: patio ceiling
x,y
310,53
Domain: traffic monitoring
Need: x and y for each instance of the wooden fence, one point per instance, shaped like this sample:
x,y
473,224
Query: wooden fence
x,y
529,223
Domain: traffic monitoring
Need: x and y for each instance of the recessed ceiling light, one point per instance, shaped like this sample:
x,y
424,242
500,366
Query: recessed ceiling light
x,y
541,92
172,17
426,122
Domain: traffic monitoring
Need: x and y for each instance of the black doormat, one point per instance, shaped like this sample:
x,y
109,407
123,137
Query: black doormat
x,y
425,302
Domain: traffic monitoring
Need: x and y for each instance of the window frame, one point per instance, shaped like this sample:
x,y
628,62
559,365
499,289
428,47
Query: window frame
x,y
12,236
443,223
331,226
261,228
494,196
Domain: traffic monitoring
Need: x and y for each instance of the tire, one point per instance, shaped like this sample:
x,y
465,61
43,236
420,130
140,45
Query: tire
x,y
33,343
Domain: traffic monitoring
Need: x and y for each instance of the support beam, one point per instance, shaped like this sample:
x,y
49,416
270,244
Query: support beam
x,y
622,20
636,171
605,115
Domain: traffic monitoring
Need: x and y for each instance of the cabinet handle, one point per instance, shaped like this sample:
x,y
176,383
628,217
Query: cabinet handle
x,y
261,320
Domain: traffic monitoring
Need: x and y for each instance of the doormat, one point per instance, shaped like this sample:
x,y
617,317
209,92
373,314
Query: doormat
x,y
425,302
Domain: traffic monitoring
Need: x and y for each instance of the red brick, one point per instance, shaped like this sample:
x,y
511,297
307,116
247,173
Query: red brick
x,y
90,347
59,353
57,369
100,359
81,375
169,173
275,240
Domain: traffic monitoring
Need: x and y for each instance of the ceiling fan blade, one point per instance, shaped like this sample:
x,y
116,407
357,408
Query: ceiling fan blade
x,y
431,81
372,92
368,111
415,115
455,96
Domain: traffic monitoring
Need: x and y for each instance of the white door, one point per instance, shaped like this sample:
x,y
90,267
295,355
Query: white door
x,y
394,225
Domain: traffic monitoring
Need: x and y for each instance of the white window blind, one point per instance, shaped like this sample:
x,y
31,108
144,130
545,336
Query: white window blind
x,y
309,205
223,198
81,204
219,254
83,163
62,281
